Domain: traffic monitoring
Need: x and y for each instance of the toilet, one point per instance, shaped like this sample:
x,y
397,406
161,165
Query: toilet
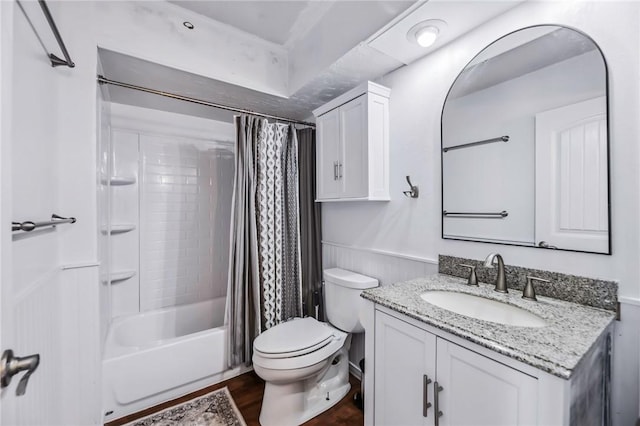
x,y
305,362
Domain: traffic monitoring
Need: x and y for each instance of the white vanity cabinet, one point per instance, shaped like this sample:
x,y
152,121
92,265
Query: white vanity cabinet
x,y
412,365
352,149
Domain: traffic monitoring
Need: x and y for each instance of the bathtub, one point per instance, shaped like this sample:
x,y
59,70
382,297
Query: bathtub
x,y
160,355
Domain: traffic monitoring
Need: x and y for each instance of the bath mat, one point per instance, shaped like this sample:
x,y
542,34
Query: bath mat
x,y
213,409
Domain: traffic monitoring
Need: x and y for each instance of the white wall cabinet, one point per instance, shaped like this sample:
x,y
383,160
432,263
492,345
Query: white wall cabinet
x,y
352,150
466,388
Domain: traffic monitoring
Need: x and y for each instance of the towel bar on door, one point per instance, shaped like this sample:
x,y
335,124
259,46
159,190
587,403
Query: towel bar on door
x,y
30,226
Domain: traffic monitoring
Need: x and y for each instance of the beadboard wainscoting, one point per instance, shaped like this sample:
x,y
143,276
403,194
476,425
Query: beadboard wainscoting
x,y
387,267
626,362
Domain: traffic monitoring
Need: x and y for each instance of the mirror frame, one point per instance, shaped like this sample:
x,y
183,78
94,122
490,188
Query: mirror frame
x,y
608,109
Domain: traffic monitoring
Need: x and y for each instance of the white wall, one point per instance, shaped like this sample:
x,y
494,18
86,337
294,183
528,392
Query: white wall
x,y
413,227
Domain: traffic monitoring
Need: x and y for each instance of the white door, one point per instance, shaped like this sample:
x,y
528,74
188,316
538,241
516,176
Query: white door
x,y
327,156
479,391
572,177
405,367
353,170
29,264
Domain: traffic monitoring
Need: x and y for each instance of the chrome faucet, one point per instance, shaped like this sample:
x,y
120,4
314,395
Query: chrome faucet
x,y
501,280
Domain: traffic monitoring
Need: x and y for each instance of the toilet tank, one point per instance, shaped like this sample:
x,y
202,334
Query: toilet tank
x,y
342,299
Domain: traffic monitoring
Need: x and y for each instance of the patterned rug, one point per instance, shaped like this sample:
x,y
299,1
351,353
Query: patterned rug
x,y
213,409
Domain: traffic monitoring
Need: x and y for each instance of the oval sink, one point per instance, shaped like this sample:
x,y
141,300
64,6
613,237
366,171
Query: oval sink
x,y
483,309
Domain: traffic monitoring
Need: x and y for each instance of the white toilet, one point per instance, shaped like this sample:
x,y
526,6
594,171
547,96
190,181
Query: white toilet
x,y
304,362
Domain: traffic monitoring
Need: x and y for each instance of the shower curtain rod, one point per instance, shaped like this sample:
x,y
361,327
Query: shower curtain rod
x,y
103,80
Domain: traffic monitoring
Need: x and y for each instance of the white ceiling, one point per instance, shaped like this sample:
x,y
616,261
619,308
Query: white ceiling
x,y
330,44
458,18
279,22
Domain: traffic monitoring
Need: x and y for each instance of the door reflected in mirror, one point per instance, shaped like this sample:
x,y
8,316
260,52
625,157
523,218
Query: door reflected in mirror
x,y
525,144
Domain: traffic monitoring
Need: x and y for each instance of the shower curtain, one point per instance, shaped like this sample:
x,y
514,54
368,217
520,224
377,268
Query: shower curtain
x,y
264,286
310,231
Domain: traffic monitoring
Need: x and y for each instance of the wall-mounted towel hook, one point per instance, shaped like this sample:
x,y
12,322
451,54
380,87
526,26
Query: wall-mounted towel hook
x,y
413,192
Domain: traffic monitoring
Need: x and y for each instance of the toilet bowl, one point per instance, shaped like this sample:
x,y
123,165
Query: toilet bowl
x,y
305,362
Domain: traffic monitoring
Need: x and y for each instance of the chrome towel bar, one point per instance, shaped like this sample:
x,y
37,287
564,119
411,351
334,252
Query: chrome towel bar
x,y
498,215
56,61
470,144
30,226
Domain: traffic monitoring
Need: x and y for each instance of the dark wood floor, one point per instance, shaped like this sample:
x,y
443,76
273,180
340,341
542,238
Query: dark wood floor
x,y
247,391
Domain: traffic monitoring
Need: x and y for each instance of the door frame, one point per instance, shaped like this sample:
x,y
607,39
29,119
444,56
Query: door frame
x,y
7,10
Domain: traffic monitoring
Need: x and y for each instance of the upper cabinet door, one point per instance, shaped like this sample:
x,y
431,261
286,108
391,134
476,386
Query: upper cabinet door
x,y
327,155
572,194
482,392
353,170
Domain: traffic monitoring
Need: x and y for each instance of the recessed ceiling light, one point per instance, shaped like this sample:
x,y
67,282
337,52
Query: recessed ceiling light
x,y
188,25
427,36
425,33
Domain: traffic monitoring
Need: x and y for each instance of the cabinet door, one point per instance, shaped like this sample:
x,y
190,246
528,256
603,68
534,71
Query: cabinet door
x,y
404,354
353,171
328,184
479,391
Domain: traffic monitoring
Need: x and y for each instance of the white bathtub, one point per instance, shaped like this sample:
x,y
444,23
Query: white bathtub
x,y
160,355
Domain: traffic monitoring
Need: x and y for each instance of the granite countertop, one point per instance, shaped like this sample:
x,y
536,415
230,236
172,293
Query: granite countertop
x,y
557,348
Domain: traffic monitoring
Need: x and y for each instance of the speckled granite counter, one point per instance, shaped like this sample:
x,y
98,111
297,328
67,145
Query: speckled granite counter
x,y
557,348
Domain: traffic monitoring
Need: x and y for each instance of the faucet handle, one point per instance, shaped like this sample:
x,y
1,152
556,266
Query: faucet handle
x,y
529,293
473,278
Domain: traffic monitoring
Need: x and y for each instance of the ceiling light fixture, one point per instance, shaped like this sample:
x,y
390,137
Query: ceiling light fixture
x,y
427,36
426,33
188,25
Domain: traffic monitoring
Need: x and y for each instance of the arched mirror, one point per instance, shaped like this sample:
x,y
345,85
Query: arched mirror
x,y
525,144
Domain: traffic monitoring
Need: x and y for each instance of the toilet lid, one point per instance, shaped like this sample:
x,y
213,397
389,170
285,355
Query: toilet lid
x,y
295,337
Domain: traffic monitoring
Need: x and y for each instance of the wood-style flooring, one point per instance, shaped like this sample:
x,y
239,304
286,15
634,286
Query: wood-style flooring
x,y
247,391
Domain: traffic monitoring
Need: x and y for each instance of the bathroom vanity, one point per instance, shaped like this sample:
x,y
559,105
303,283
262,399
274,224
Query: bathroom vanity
x,y
433,366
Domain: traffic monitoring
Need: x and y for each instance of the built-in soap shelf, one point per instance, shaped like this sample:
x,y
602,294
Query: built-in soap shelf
x,y
118,276
120,228
120,180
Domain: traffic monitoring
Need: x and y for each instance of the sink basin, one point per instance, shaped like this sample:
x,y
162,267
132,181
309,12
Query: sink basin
x,y
483,309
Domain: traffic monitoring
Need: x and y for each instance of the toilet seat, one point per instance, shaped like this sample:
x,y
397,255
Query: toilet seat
x,y
297,337
303,351
280,350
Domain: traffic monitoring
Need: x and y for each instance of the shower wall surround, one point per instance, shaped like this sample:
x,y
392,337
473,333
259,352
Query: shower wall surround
x,y
171,185
185,211
124,246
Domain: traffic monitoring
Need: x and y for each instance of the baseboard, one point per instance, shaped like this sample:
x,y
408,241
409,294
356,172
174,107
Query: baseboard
x,y
354,370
